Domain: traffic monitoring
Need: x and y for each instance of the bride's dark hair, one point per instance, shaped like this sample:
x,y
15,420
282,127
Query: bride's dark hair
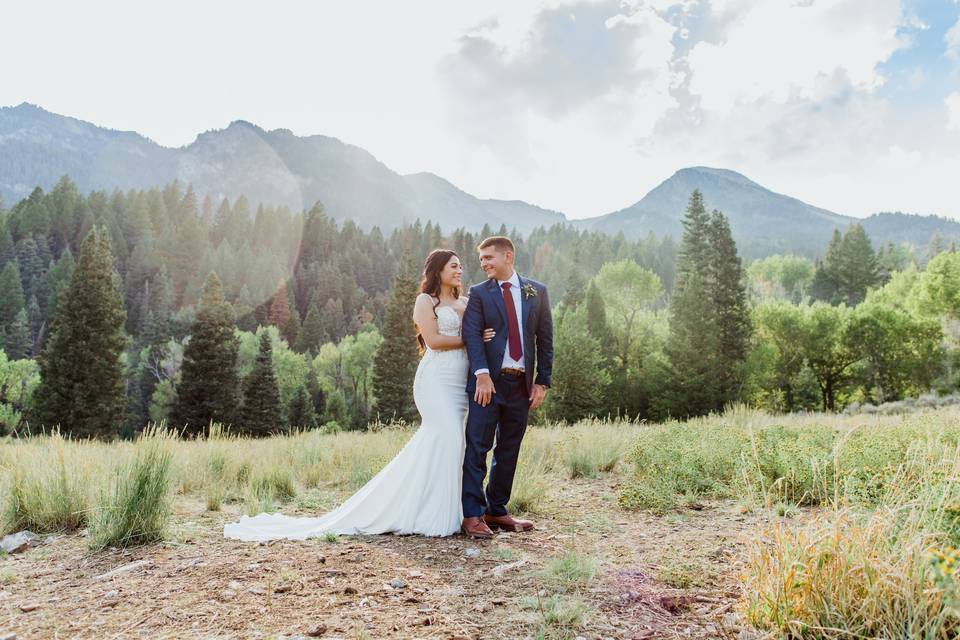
x,y
430,283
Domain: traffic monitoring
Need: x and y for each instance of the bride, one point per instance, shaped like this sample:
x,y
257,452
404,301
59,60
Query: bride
x,y
419,490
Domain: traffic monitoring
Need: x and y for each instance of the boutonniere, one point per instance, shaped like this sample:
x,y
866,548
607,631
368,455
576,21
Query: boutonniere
x,y
529,291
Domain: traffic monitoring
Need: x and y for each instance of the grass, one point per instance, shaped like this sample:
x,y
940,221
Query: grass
x,y
864,511
136,509
571,570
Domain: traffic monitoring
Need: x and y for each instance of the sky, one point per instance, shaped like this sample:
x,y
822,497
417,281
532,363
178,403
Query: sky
x,y
582,107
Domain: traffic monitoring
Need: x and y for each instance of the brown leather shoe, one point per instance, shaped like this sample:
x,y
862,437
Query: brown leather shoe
x,y
507,523
476,528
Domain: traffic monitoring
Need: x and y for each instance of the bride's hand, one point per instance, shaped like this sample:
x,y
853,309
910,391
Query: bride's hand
x,y
488,335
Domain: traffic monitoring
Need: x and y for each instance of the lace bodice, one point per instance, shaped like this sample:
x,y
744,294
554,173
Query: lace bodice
x,y
448,321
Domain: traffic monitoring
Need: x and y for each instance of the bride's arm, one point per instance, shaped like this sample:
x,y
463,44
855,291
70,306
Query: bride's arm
x,y
426,319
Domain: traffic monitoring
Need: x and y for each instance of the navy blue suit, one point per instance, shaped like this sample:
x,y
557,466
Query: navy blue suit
x,y
505,418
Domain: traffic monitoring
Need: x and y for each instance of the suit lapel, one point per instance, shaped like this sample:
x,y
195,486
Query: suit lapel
x,y
525,305
497,295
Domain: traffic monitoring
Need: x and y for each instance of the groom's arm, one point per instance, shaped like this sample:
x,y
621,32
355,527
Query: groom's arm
x,y
472,332
544,335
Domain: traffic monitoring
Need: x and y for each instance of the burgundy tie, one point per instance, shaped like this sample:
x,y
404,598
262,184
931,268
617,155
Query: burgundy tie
x,y
513,327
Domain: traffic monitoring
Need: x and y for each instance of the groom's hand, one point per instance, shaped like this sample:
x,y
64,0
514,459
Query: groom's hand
x,y
485,390
537,395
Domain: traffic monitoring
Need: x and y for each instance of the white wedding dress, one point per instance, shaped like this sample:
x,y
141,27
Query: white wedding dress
x,y
419,490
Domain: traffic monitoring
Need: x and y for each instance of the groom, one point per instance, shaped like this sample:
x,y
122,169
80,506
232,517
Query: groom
x,y
501,382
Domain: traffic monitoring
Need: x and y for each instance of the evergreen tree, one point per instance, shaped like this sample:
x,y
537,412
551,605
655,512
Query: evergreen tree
x,y
856,266
279,308
311,335
209,388
302,413
396,361
317,397
31,264
597,324
575,290
11,293
291,330
82,385
691,350
262,413
34,323
730,309
17,344
579,376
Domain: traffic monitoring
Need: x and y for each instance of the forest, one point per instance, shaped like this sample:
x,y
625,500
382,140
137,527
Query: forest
x,y
127,308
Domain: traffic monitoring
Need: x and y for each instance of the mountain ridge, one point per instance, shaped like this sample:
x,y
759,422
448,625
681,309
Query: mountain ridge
x,y
277,167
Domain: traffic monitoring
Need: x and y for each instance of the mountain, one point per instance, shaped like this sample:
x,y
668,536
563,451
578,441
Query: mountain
x,y
279,168
271,167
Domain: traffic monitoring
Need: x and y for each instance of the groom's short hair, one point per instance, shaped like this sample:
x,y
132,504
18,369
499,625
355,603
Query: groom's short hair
x,y
502,243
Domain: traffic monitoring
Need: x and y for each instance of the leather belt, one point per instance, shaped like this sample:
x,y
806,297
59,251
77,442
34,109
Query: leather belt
x,y
513,373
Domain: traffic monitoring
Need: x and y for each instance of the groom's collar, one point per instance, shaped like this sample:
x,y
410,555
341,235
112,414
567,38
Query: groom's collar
x,y
513,280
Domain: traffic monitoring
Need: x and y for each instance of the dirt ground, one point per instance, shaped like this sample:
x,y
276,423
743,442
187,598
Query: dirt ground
x,y
675,576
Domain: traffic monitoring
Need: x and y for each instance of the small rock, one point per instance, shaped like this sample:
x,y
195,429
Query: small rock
x,y
27,607
19,542
415,574
233,585
498,601
317,631
472,552
397,583
257,591
350,590
283,588
111,598
322,559
228,594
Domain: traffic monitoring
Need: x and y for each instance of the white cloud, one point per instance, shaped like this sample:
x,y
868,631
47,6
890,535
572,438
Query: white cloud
x,y
780,50
952,38
952,103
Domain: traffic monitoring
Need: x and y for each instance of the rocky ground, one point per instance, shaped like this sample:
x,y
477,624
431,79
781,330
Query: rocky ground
x,y
675,576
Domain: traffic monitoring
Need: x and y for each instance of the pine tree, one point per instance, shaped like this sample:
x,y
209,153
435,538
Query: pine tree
x,y
17,343
82,385
31,264
579,376
11,293
208,390
302,413
730,308
311,335
597,324
575,290
396,361
856,266
262,414
691,350
318,398
332,319
34,323
279,308
291,330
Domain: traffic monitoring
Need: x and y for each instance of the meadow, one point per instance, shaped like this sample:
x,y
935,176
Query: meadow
x,y
743,524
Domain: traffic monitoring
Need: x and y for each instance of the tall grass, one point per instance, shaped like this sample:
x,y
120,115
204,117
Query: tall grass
x,y
856,571
42,494
136,508
804,460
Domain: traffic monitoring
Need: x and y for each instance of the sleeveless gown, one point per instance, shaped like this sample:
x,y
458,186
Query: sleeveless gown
x,y
419,490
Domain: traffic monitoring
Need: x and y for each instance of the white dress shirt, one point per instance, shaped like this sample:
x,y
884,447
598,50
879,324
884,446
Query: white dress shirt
x,y
517,296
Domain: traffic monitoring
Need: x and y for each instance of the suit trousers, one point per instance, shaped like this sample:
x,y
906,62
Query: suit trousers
x,y
504,420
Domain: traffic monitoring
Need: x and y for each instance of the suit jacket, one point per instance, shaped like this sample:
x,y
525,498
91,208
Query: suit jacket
x,y
487,310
